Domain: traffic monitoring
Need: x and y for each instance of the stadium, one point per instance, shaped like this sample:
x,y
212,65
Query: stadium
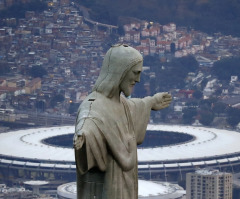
x,y
146,190
47,153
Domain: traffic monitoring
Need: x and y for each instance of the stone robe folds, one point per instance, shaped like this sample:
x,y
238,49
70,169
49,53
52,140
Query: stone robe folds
x,y
107,161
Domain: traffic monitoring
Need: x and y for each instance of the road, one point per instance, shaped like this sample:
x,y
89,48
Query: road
x,y
39,119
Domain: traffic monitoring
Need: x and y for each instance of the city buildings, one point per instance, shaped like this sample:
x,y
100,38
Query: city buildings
x,y
15,193
67,48
209,184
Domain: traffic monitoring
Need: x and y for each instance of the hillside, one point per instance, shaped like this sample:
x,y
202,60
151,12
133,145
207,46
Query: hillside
x,y
206,15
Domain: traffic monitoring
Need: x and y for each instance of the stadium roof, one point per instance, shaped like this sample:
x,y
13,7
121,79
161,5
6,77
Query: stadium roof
x,y
209,142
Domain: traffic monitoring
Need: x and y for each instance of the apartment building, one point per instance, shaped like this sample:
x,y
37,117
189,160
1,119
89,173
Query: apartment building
x,y
209,184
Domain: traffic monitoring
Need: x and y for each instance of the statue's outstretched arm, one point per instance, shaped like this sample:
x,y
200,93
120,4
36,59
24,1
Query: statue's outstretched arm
x,y
158,101
141,109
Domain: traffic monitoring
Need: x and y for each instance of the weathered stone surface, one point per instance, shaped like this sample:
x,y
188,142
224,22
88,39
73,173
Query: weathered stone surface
x,y
109,127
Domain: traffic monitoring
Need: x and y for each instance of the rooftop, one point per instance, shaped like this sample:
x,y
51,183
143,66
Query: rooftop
x,y
208,172
209,142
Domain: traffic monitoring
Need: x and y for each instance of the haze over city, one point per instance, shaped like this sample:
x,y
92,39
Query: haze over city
x,y
51,53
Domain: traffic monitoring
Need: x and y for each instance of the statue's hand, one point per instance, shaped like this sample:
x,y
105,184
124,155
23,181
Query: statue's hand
x,y
79,142
161,101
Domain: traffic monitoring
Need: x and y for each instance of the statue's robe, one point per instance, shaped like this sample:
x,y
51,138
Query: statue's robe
x,y
107,161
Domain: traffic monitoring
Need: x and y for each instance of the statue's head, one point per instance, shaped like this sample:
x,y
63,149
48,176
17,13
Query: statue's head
x,y
122,65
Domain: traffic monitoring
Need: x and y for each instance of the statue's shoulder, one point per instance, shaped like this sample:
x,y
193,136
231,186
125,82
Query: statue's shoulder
x,y
95,100
93,105
87,113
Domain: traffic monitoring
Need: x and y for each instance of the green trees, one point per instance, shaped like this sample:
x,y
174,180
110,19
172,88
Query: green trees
x,y
208,16
219,107
175,72
18,9
205,111
223,14
209,109
152,61
73,108
206,117
173,48
40,105
233,116
189,115
169,75
226,68
4,68
197,94
38,71
57,98
187,63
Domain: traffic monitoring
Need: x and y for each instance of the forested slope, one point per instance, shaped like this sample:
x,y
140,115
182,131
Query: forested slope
x,y
205,15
